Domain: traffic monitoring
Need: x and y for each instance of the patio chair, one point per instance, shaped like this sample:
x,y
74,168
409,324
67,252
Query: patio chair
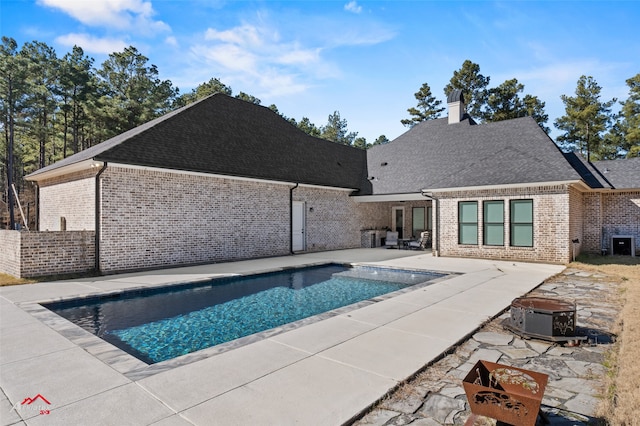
x,y
422,242
391,240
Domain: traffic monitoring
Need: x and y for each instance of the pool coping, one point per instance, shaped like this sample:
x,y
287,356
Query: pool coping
x,y
136,369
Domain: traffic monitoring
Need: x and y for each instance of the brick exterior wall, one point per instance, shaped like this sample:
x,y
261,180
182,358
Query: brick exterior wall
x,y
71,197
610,213
34,254
10,252
156,218
552,232
576,220
331,222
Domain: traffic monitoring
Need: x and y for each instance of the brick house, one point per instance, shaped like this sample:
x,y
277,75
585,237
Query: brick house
x,y
223,179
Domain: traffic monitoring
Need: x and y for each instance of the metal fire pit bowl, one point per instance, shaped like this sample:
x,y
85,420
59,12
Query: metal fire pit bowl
x,y
544,318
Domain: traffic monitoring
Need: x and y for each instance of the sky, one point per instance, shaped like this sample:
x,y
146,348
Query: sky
x,y
364,59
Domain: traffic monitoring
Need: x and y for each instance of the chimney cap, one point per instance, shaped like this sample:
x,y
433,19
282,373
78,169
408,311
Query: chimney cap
x,y
455,96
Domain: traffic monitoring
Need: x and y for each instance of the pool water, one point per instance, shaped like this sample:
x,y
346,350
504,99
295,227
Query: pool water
x,y
160,324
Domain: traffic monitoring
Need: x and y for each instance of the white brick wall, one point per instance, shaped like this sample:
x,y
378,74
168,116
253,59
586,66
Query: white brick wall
x,y
153,218
32,254
610,213
157,218
71,197
551,225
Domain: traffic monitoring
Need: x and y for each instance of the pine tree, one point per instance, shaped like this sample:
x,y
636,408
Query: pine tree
x,y
427,108
586,119
336,130
473,86
504,103
630,122
13,90
203,90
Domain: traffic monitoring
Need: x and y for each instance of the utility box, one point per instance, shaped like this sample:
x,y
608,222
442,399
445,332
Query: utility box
x,y
623,245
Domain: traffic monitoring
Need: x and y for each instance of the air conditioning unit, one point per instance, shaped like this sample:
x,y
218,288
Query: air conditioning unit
x,y
624,245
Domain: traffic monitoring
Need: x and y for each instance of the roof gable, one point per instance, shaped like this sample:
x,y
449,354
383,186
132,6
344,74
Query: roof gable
x,y
228,136
438,155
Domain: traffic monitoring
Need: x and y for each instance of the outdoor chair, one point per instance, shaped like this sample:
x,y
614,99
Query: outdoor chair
x,y
391,240
422,242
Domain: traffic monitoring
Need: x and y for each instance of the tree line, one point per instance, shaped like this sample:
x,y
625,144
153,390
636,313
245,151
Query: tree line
x,y
588,126
53,107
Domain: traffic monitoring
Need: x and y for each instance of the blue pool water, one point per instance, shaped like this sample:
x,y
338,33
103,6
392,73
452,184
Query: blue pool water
x,y
159,324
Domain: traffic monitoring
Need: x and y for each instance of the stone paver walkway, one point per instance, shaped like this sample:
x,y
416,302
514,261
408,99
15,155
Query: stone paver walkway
x,y
576,374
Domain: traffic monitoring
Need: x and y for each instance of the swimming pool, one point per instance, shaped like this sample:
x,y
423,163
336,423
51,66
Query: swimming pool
x,y
159,324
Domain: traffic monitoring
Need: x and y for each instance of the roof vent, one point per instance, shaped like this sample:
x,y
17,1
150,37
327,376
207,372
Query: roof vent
x,y
455,102
384,164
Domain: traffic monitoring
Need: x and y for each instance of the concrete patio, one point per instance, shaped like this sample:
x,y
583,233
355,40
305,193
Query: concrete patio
x,y
324,372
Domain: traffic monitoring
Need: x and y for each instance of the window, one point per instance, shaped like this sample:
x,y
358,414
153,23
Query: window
x,y
429,218
468,222
522,223
418,221
493,223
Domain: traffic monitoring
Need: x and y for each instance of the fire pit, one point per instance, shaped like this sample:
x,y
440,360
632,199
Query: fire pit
x,y
544,318
508,394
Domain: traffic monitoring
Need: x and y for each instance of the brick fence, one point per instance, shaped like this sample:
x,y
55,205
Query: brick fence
x,y
33,254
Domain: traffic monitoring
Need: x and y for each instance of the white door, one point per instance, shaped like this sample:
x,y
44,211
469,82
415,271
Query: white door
x,y
297,234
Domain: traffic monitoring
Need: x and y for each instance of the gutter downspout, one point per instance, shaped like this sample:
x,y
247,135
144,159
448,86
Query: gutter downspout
x,y
97,218
435,248
291,217
37,208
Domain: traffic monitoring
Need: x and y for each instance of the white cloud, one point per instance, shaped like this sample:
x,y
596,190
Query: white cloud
x,y
352,6
91,44
133,15
229,57
171,41
245,35
299,56
257,54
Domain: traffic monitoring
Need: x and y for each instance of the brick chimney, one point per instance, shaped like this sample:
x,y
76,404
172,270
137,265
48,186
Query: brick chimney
x,y
455,102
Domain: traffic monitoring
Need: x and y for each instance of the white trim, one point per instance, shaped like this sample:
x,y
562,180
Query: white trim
x,y
510,185
388,197
420,197
65,170
230,177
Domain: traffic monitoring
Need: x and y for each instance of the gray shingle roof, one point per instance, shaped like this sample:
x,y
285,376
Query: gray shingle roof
x,y
622,174
590,175
228,136
438,155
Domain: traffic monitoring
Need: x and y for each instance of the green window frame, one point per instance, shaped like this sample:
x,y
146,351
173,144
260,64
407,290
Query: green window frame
x,y
493,223
468,222
418,221
521,223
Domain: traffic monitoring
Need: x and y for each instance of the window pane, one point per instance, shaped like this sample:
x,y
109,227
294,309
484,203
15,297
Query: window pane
x,y
522,211
494,234
469,233
429,218
522,223
494,211
418,221
468,212
468,222
522,235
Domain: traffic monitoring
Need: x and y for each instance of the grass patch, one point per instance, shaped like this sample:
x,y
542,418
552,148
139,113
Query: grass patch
x,y
620,407
11,280
6,280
